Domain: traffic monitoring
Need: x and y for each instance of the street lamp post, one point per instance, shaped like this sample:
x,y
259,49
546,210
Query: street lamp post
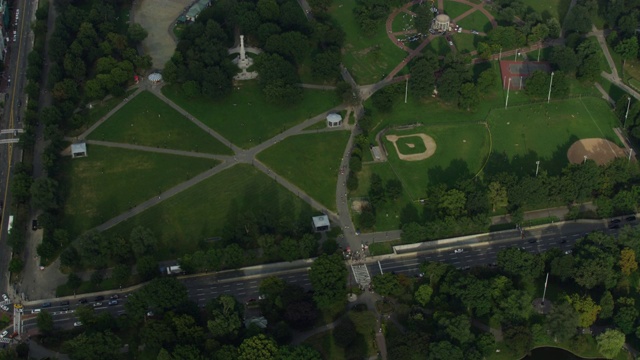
x,y
537,167
500,55
550,84
630,154
506,103
406,90
516,54
627,113
585,159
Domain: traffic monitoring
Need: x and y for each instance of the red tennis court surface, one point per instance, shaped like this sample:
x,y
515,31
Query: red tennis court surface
x,y
519,71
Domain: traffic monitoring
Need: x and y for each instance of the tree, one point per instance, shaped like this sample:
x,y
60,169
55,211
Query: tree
x,y
143,241
625,318
258,347
121,273
538,84
519,339
16,265
158,295
610,343
497,195
376,190
578,20
452,203
45,322
387,284
628,48
606,305
627,262
136,33
345,332
444,350
393,189
423,19
352,181
486,81
520,263
226,318
423,294
469,96
301,352
586,308
147,267
74,281
563,321
93,346
44,193
423,78
327,276
326,65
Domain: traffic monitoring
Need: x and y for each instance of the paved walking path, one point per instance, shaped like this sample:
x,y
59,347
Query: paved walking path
x,y
159,150
605,94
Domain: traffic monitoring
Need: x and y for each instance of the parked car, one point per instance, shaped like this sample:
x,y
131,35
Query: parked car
x,y
97,304
4,307
614,226
5,297
99,298
615,221
116,296
77,323
64,303
457,251
532,241
82,301
4,333
628,218
568,252
450,43
113,302
46,305
34,224
65,308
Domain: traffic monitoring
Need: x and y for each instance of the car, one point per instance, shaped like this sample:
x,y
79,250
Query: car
x,y
615,221
4,307
459,30
457,251
630,218
261,297
149,313
532,241
65,308
116,296
568,252
113,302
450,43
474,32
563,241
5,297
82,301
614,226
4,333
35,311
77,323
19,103
46,305
99,298
64,303
34,224
97,304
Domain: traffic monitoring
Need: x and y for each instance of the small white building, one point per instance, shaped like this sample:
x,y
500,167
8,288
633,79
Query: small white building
x,y
334,120
321,223
78,150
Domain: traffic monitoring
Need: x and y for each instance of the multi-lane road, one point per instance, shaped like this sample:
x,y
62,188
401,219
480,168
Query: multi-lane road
x,y
244,283
14,83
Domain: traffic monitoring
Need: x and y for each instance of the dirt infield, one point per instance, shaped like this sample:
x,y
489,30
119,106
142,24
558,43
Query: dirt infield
x,y
429,144
599,150
156,16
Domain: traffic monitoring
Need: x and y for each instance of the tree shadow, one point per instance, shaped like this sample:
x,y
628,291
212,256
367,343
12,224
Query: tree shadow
x,y
458,169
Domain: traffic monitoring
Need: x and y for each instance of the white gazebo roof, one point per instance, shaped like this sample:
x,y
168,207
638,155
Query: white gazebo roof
x,y
334,118
155,77
443,18
320,221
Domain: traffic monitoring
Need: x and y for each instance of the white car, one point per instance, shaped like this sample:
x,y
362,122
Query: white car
x,y
77,323
568,252
450,43
458,251
261,297
4,307
474,32
97,304
5,297
4,333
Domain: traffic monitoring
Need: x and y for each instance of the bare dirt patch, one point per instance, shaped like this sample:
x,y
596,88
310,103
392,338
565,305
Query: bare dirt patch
x,y
597,149
429,144
156,16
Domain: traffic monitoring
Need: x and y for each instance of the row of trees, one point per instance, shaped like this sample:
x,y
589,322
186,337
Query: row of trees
x,y
443,302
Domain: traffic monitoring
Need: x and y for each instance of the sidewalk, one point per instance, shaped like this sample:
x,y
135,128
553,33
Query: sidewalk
x,y
559,212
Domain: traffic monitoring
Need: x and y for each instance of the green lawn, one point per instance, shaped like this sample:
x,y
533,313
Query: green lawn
x,y
185,220
438,45
476,21
461,151
97,111
555,8
111,180
147,120
311,162
545,132
401,22
455,9
465,43
368,59
387,214
411,145
365,323
245,118
613,90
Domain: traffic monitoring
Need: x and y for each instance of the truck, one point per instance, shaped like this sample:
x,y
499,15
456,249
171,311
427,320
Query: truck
x,y
173,270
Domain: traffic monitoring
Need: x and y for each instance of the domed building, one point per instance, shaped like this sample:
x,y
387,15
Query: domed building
x,y
441,23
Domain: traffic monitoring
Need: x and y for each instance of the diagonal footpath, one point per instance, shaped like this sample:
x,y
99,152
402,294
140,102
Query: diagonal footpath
x,y
159,150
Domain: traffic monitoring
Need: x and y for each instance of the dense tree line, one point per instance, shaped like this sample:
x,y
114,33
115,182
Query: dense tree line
x,y
202,66
370,14
598,288
465,206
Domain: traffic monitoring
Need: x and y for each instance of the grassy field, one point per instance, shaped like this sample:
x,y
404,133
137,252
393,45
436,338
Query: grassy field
x,y
147,120
411,145
555,8
387,214
365,323
465,43
476,21
455,9
245,118
311,162
97,111
545,132
367,58
401,22
438,46
461,151
183,221
111,180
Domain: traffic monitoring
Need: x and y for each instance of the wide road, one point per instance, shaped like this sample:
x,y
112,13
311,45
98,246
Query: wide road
x,y
244,284
14,81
